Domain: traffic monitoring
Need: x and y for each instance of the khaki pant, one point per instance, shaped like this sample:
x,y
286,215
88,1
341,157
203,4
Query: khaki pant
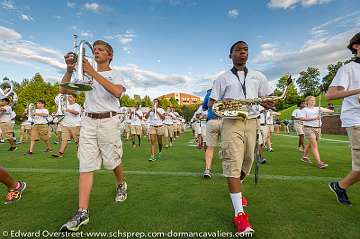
x,y
6,130
68,133
99,144
354,137
158,130
135,129
311,132
213,132
238,146
40,131
169,131
299,128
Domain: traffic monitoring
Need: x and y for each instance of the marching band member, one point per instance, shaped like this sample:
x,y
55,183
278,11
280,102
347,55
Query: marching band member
x,y
100,137
40,128
70,124
346,84
263,133
213,127
128,124
239,136
311,116
298,124
156,131
169,127
5,123
135,128
270,123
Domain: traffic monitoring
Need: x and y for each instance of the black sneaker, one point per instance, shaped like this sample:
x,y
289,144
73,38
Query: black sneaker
x,y
81,217
12,149
340,193
15,194
58,155
262,160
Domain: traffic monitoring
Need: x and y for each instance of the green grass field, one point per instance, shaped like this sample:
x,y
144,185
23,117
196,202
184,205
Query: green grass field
x,y
292,200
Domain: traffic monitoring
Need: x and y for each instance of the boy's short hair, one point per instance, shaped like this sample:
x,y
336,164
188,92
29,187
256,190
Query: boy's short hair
x,y
234,45
41,101
6,100
299,103
107,46
73,94
354,40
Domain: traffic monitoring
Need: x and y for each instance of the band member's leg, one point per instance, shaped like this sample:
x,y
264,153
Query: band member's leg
x,y
85,186
6,179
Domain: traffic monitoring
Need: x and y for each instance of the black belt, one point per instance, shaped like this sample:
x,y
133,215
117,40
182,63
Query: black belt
x,y
263,124
311,127
102,115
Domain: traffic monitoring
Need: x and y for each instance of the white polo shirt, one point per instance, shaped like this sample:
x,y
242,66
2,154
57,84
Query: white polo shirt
x,y
169,118
154,119
348,76
136,120
41,119
99,99
5,116
269,117
311,113
71,120
297,113
227,85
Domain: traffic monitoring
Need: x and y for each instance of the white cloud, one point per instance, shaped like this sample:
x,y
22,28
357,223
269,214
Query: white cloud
x,y
8,5
325,46
71,4
86,34
233,13
293,3
26,18
94,7
8,34
124,39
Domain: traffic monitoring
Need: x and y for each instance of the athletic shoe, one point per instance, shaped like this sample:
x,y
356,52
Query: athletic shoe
x,y
12,149
170,144
300,149
58,155
262,161
152,158
28,153
340,193
15,194
242,224
323,165
48,151
271,150
166,146
244,201
305,160
81,217
207,173
121,193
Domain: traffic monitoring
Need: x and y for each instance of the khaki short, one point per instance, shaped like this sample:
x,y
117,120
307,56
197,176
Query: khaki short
x,y
213,132
158,130
40,131
6,130
299,128
99,144
311,132
354,137
238,146
263,134
169,131
271,128
68,133
135,129
127,128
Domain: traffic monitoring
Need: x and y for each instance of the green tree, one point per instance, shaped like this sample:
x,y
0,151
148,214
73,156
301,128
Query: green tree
x,y
309,82
146,101
332,69
164,103
292,96
125,101
173,102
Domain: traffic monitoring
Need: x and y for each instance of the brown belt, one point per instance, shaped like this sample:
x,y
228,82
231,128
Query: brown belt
x,y
102,115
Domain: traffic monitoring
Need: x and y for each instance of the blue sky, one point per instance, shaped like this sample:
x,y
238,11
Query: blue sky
x,y
176,45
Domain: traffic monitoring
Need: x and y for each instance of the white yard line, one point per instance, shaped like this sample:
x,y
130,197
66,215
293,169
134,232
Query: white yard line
x,y
176,174
324,139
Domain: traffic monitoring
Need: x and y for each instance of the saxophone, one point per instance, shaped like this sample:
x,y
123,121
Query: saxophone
x,y
239,109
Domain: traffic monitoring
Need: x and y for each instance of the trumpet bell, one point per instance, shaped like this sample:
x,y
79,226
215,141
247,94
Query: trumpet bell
x,y
77,86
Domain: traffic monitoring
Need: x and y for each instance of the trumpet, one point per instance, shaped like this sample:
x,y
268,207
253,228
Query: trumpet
x,y
80,82
7,92
61,103
239,109
30,112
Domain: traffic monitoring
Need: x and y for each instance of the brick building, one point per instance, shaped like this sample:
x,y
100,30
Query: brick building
x,y
182,98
